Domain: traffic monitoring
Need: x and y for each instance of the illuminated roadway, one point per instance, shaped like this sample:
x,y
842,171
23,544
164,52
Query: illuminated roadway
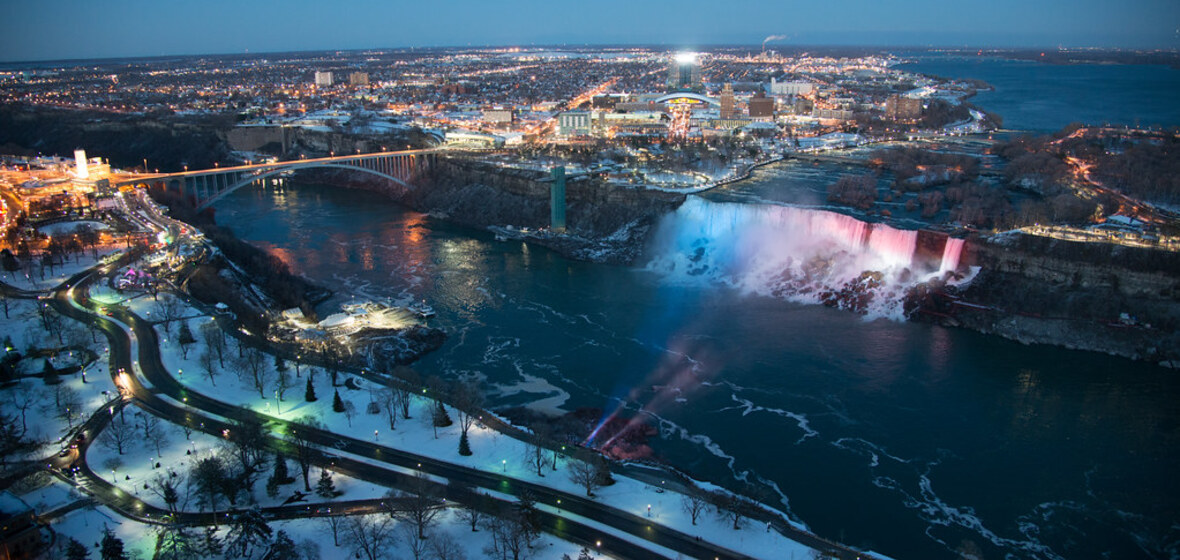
x,y
201,413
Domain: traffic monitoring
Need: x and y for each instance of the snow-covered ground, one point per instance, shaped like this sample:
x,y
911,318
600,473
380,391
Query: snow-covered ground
x,y
492,451
312,536
73,264
44,407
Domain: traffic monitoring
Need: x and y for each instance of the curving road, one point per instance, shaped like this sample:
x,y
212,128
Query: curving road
x,y
202,413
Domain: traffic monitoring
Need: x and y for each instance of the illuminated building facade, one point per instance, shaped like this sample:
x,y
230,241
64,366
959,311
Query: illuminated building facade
x,y
684,73
323,79
728,108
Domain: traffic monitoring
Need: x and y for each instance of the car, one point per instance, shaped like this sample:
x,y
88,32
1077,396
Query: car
x,y
64,453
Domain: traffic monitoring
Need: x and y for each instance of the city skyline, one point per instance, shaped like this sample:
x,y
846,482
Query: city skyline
x,y
69,29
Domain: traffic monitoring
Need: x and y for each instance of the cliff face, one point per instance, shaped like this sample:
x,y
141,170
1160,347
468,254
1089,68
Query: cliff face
x,y
605,222
1119,300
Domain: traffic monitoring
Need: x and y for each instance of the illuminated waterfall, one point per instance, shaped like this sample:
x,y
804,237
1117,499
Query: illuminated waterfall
x,y
795,253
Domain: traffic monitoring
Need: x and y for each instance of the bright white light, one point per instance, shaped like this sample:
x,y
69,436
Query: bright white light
x,y
686,57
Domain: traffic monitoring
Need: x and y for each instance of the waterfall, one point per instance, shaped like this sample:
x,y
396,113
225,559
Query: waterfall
x,y
800,254
951,254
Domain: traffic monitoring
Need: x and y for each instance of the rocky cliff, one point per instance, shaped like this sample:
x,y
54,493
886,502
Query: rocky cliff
x,y
605,222
1094,296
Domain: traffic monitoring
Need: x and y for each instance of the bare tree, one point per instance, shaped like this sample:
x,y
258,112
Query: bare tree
x,y
474,504
730,506
509,539
468,401
444,547
694,504
369,536
409,381
68,403
169,309
253,364
283,381
248,443
536,446
334,523
416,546
305,450
585,475
349,412
153,431
118,435
209,364
20,397
214,339
420,507
168,488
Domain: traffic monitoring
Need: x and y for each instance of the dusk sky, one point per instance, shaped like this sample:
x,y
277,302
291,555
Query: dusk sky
x,y
66,29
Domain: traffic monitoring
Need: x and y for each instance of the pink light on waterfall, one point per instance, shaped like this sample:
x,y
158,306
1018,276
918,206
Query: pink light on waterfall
x,y
895,246
951,253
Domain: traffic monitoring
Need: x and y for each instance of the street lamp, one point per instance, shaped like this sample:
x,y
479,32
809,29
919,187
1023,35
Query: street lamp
x,y
504,465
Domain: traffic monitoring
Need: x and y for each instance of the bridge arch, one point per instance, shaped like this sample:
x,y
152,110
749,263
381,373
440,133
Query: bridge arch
x,y
248,180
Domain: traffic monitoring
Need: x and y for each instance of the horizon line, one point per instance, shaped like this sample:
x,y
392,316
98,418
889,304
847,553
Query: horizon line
x,y
678,46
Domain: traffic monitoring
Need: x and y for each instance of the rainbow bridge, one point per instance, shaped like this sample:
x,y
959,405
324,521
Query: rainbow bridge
x,y
207,186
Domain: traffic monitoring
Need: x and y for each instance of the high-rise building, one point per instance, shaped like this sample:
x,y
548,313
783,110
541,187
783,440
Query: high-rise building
x,y
684,72
82,167
323,79
728,110
761,106
899,108
358,79
790,88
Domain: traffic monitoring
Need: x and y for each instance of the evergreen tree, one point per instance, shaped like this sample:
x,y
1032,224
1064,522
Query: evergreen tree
x,y
176,543
441,418
49,374
247,529
272,486
280,364
76,550
281,473
112,546
325,488
309,394
464,446
185,338
211,543
337,402
282,547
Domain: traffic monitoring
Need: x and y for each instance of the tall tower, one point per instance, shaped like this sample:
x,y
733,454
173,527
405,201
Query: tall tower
x,y
684,73
83,168
727,104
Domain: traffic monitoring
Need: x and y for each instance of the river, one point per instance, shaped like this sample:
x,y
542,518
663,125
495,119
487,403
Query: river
x,y
909,439
912,440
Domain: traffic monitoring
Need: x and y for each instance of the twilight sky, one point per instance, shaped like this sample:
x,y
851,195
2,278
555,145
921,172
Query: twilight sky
x,y
62,29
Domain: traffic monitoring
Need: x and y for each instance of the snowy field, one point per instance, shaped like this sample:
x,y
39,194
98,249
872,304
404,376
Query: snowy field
x,y
492,451
74,263
312,536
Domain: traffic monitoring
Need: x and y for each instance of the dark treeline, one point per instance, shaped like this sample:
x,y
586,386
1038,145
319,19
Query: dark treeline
x,y
264,269
1144,166
938,168
168,142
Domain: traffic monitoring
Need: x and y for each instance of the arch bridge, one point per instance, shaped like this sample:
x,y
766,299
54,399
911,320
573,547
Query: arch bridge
x,y
208,186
